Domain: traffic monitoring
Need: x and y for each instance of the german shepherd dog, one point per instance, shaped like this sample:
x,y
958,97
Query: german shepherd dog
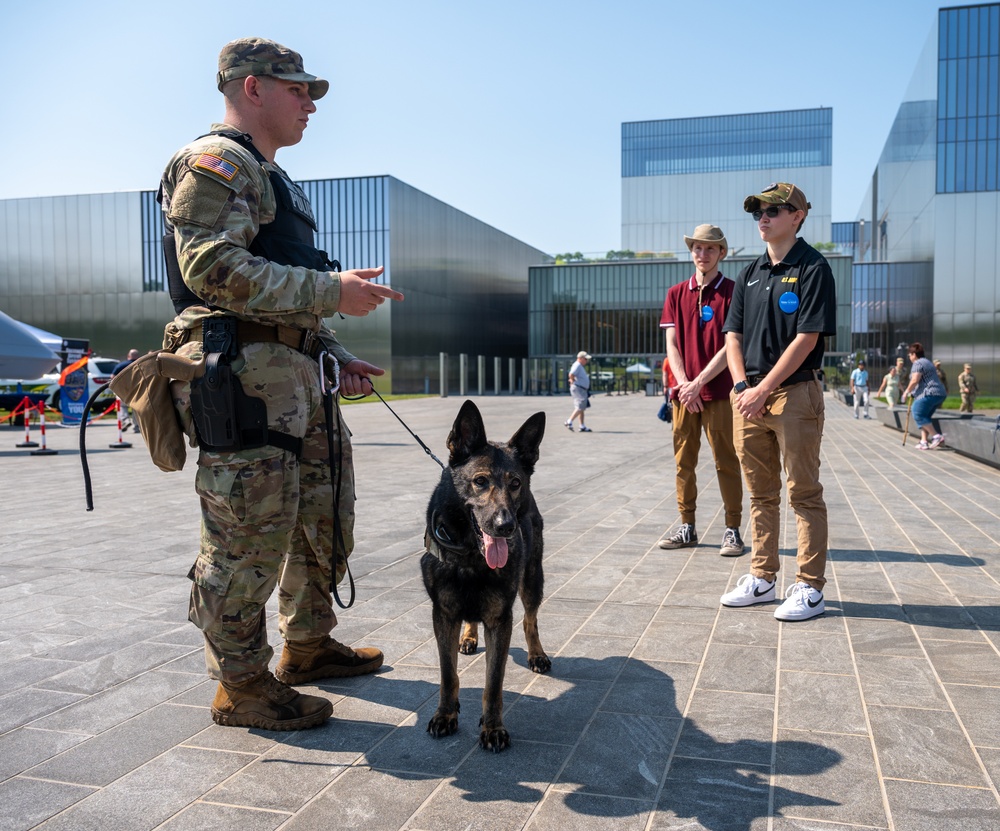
x,y
484,546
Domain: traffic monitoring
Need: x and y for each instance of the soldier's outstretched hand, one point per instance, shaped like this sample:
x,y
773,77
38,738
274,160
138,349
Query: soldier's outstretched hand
x,y
359,295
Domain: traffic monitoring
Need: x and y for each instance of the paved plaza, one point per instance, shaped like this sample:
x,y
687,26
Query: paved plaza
x,y
662,710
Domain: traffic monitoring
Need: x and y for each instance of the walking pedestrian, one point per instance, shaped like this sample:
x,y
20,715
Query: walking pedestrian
x,y
859,388
928,394
579,390
890,385
968,388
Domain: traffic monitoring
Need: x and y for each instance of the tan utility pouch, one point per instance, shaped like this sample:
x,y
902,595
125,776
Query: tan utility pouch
x,y
144,385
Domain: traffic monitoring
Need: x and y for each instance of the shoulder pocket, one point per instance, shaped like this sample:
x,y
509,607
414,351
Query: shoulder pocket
x,y
199,200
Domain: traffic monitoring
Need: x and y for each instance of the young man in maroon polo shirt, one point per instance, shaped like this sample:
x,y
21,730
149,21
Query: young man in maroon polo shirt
x,y
693,314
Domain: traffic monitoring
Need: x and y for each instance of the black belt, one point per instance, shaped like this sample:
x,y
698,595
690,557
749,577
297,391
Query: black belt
x,y
794,378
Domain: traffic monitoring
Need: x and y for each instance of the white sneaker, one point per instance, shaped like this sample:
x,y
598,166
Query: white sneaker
x,y
749,591
569,425
801,602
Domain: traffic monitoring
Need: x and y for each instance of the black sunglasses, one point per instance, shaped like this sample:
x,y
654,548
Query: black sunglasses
x,y
771,211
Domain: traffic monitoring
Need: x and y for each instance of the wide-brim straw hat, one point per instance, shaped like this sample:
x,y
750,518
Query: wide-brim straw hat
x,y
710,234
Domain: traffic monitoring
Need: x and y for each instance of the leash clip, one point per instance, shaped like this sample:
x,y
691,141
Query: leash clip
x,y
322,373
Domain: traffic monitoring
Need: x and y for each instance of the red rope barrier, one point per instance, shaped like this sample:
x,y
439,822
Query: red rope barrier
x,y
17,410
43,450
26,408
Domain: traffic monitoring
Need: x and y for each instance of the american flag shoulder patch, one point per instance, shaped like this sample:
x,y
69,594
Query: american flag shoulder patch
x,y
218,165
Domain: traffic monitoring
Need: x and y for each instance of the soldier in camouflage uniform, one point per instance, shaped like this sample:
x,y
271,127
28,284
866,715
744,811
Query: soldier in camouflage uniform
x,y
266,513
968,388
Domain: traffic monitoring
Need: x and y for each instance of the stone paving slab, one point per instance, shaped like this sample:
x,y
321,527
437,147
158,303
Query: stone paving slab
x,y
662,711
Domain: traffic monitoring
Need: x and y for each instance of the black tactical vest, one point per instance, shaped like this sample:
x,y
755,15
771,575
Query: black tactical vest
x,y
288,240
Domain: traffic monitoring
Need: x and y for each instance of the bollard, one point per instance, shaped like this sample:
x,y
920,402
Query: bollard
x,y
26,404
43,450
120,444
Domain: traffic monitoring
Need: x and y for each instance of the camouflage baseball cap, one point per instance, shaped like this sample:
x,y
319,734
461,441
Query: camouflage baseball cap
x,y
777,193
257,56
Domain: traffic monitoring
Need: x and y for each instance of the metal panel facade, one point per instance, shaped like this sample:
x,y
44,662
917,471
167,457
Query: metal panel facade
x,y
73,265
934,200
91,266
679,173
613,310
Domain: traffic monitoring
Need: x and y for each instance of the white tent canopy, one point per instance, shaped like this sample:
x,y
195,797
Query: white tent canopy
x,y
638,368
53,342
22,353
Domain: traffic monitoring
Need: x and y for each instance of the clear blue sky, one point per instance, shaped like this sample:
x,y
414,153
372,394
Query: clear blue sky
x,y
509,111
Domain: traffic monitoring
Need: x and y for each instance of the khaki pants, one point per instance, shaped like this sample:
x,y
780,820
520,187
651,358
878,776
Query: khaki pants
x,y
717,421
787,436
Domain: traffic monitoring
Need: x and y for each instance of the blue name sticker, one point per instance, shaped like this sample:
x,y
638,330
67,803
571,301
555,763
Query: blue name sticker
x,y
706,313
788,302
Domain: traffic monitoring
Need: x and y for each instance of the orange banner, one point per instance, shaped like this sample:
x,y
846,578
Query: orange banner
x,y
73,367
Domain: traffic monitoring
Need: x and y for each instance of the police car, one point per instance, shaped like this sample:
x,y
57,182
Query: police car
x,y
99,369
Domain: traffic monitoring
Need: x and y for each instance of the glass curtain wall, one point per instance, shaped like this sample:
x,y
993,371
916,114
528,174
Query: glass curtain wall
x,y
968,106
613,310
752,141
891,303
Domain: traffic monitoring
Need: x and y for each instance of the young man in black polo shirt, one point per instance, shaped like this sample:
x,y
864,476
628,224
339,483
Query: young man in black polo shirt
x,y
783,305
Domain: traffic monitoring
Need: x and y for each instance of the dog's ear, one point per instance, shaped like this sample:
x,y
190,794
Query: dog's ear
x,y
526,440
468,435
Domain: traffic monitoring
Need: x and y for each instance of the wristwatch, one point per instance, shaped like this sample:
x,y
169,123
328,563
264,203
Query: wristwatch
x,y
740,387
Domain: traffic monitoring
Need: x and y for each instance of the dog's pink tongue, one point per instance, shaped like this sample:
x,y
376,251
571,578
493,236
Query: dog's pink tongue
x,y
496,550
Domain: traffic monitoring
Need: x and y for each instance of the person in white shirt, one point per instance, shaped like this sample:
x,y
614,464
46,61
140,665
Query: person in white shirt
x,y
579,388
859,388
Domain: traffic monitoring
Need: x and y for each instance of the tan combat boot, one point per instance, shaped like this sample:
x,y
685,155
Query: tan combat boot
x,y
265,702
324,658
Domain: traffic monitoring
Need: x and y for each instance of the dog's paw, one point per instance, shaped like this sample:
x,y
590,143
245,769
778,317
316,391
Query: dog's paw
x,y
443,724
539,663
468,646
494,738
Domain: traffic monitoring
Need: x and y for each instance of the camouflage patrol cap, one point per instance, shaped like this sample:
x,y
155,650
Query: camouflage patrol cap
x,y
257,56
778,193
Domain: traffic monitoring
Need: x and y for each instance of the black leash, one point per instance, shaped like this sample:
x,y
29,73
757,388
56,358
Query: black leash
x,y
87,485
329,393
427,450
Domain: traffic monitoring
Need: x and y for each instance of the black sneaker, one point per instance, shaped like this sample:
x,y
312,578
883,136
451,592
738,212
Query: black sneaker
x,y
732,543
684,537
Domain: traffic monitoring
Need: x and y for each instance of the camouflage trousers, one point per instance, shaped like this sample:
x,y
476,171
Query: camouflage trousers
x,y
267,518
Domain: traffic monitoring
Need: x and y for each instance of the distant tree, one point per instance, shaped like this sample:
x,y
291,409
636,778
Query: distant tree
x,y
571,257
655,255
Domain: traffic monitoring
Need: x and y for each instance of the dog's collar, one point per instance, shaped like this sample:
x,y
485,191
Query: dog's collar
x,y
440,534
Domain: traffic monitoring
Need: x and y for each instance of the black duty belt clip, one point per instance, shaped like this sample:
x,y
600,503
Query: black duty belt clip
x,y
219,336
